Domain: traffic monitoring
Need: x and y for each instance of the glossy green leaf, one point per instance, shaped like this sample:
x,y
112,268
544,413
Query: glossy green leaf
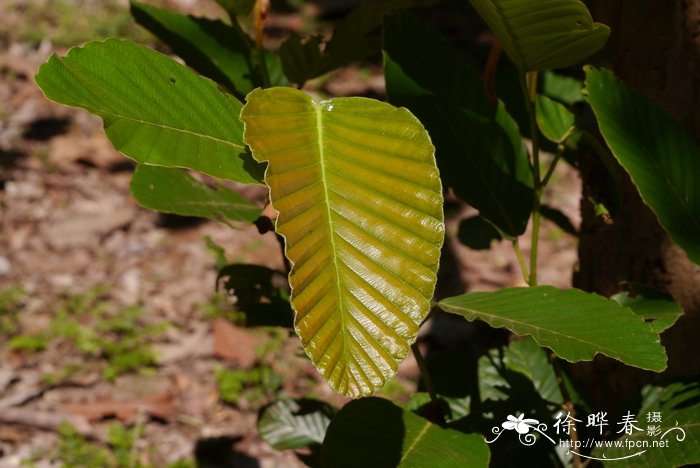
x,y
375,432
660,157
479,149
678,405
477,233
216,50
294,424
171,190
155,110
555,121
526,357
543,34
574,324
656,307
360,206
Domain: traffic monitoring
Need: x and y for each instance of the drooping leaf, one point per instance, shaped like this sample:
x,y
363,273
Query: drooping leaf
x,y
554,119
477,233
526,357
155,110
562,88
216,50
171,190
260,294
660,157
375,432
543,34
479,148
656,307
678,407
294,424
360,206
574,324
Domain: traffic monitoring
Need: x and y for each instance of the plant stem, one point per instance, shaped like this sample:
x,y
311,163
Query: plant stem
x,y
521,260
425,375
530,94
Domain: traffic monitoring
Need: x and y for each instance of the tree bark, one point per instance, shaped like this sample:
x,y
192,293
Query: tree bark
x,y
655,49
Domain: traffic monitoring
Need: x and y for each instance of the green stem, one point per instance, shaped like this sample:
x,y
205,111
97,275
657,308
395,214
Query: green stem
x,y
521,260
425,375
262,65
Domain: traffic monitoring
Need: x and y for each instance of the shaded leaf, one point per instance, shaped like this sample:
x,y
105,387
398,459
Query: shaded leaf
x,y
301,60
574,324
294,424
526,357
554,119
560,219
477,233
260,294
656,307
237,7
171,190
543,34
375,432
360,207
155,110
213,48
660,157
679,408
479,148
562,88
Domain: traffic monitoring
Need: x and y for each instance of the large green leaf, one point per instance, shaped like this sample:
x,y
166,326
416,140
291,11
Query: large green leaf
x,y
660,157
172,190
656,307
294,424
375,432
543,34
155,110
360,206
479,148
678,407
216,50
574,324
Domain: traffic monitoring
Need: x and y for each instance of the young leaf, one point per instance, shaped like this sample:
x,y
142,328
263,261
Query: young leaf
x,y
562,88
294,424
554,119
574,324
171,190
216,50
375,432
155,110
543,34
360,206
660,157
479,148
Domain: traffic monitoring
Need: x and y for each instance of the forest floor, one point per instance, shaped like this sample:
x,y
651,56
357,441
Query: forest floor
x,y
109,315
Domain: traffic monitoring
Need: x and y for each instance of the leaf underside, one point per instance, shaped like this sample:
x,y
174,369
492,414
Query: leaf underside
x,y
574,324
360,206
543,34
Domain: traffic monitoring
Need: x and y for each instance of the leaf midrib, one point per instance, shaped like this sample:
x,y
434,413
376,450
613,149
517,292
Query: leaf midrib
x,y
318,108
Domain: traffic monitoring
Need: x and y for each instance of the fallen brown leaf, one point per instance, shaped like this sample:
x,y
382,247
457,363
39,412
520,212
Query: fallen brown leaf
x,y
233,344
160,405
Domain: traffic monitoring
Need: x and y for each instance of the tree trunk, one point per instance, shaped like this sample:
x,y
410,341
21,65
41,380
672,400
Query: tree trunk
x,y
655,49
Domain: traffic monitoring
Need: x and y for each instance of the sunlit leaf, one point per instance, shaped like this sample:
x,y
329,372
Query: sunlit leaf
x,y
543,34
660,157
155,110
360,207
375,432
574,324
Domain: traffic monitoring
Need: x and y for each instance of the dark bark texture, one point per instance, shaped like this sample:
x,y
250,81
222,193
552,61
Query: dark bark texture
x,y
655,49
